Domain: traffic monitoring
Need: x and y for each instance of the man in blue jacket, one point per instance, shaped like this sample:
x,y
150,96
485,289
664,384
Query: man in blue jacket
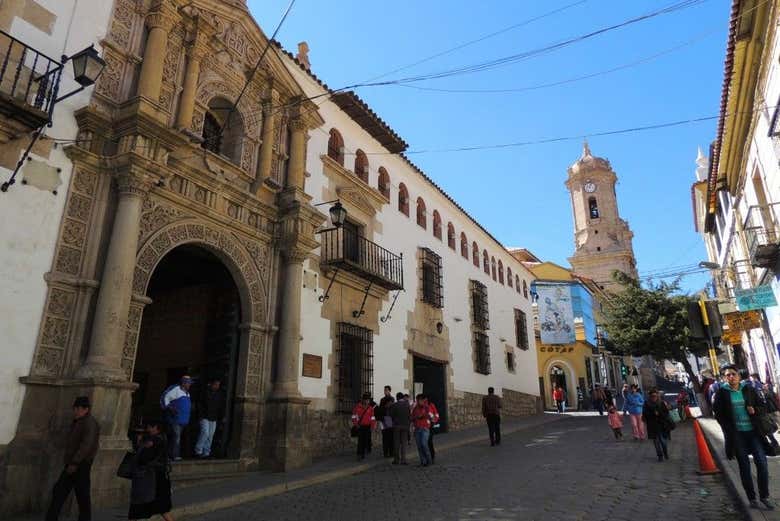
x,y
176,405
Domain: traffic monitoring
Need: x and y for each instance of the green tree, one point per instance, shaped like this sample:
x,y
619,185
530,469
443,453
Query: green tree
x,y
652,320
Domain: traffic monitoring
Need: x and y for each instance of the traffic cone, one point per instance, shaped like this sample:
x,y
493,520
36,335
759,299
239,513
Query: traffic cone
x,y
706,463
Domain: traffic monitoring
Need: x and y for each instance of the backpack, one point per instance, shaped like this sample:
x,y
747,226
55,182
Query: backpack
x,y
162,396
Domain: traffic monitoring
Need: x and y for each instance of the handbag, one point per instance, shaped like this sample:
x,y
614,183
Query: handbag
x,y
675,416
127,467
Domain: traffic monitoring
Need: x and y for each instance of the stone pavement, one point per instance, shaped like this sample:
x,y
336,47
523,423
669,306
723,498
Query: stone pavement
x,y
199,499
714,436
567,470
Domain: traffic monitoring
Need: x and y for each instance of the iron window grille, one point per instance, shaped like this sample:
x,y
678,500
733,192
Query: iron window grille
x,y
212,134
510,362
355,365
521,329
431,275
481,353
479,305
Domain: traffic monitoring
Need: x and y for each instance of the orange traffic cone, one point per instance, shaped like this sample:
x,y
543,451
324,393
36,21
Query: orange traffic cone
x,y
706,463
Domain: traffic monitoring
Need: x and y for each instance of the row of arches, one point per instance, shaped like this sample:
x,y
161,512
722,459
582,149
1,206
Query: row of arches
x,y
491,267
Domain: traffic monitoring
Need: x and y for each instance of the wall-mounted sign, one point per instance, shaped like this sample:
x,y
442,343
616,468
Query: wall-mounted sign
x,y
556,318
731,337
743,321
759,297
312,366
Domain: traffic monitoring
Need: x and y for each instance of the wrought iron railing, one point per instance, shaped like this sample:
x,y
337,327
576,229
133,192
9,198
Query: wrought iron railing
x,y
761,235
28,76
345,249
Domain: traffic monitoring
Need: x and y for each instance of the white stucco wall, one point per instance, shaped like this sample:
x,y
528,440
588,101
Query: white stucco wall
x,y
401,234
30,218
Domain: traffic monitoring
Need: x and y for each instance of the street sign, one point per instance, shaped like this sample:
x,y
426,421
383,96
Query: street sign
x,y
759,297
732,337
743,321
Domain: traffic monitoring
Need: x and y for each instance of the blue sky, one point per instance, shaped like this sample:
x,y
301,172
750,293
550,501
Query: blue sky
x,y
518,193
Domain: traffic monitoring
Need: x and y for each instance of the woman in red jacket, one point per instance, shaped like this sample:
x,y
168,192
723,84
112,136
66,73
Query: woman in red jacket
x,y
560,398
363,418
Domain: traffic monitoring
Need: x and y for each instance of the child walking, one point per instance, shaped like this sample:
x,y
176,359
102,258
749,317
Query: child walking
x,y
616,422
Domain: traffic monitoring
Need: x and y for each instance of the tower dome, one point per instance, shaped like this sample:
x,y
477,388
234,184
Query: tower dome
x,y
588,162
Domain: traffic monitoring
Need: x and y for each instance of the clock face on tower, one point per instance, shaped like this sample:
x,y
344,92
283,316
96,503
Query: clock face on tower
x,y
590,187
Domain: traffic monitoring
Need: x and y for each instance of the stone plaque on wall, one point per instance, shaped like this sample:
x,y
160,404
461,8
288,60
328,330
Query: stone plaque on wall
x,y
312,366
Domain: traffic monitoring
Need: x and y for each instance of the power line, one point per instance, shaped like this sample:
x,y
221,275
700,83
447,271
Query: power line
x,y
480,39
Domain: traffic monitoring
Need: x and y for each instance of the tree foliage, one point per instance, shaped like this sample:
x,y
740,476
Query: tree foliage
x,y
651,320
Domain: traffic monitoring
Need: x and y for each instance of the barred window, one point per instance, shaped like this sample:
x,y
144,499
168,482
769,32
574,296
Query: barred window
x,y
510,361
481,353
479,305
355,365
431,278
521,330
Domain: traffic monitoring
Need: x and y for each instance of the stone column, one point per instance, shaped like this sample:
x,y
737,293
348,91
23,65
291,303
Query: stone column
x,y
286,384
113,304
267,146
297,165
195,54
160,22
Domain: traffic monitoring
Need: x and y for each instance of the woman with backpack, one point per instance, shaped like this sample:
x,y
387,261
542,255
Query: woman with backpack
x,y
150,491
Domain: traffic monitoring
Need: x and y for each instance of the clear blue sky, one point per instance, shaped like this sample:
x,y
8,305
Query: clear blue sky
x,y
518,193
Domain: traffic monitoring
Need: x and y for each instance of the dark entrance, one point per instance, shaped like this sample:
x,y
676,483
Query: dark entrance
x,y
433,377
191,327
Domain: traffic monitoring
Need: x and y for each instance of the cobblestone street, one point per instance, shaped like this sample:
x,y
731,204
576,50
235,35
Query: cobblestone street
x,y
566,470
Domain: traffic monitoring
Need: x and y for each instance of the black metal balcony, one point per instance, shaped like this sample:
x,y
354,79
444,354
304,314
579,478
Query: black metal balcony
x,y
345,249
28,82
761,236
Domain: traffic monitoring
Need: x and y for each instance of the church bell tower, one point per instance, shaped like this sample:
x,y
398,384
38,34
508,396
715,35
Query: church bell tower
x,y
602,240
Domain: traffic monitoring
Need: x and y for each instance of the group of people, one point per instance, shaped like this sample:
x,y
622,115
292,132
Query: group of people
x,y
650,418
399,418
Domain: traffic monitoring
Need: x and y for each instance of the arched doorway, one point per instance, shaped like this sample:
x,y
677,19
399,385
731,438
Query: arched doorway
x,y
191,327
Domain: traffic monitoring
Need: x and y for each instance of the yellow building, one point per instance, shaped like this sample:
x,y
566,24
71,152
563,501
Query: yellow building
x,y
581,363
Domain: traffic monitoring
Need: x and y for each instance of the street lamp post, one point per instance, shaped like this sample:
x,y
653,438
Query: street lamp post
x,y
87,67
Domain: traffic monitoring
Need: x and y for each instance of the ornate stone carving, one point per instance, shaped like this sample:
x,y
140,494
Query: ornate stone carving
x,y
260,256
55,332
68,260
79,207
154,216
164,19
247,105
197,122
85,182
133,184
61,302
122,23
109,84
48,362
73,233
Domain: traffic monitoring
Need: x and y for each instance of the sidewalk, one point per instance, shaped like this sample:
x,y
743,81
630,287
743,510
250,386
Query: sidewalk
x,y
730,470
200,499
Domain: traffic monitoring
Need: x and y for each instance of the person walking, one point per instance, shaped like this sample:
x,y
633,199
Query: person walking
x,y
81,446
560,398
400,413
150,491
421,417
579,399
655,412
682,403
491,411
738,410
434,425
598,397
363,418
636,403
382,413
212,410
615,423
624,394
176,405
772,406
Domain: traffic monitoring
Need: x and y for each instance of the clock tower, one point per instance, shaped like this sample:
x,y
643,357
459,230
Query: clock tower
x,y
602,240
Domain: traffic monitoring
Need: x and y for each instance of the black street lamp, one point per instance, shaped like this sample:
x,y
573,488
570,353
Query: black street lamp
x,y
87,67
338,214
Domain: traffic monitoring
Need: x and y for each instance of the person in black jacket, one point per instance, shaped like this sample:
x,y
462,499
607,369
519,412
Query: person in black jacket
x,y
212,410
150,492
655,413
382,414
739,412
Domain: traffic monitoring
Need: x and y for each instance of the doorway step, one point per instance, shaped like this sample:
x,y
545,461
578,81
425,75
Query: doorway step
x,y
186,473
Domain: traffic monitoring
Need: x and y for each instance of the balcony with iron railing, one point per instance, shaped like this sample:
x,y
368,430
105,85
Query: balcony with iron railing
x,y
761,235
347,250
28,82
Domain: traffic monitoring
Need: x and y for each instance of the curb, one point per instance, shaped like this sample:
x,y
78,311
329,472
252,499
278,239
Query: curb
x,y
280,488
733,481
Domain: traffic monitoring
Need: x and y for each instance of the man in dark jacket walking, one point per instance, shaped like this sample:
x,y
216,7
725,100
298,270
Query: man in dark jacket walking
x,y
400,413
81,446
212,410
491,410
